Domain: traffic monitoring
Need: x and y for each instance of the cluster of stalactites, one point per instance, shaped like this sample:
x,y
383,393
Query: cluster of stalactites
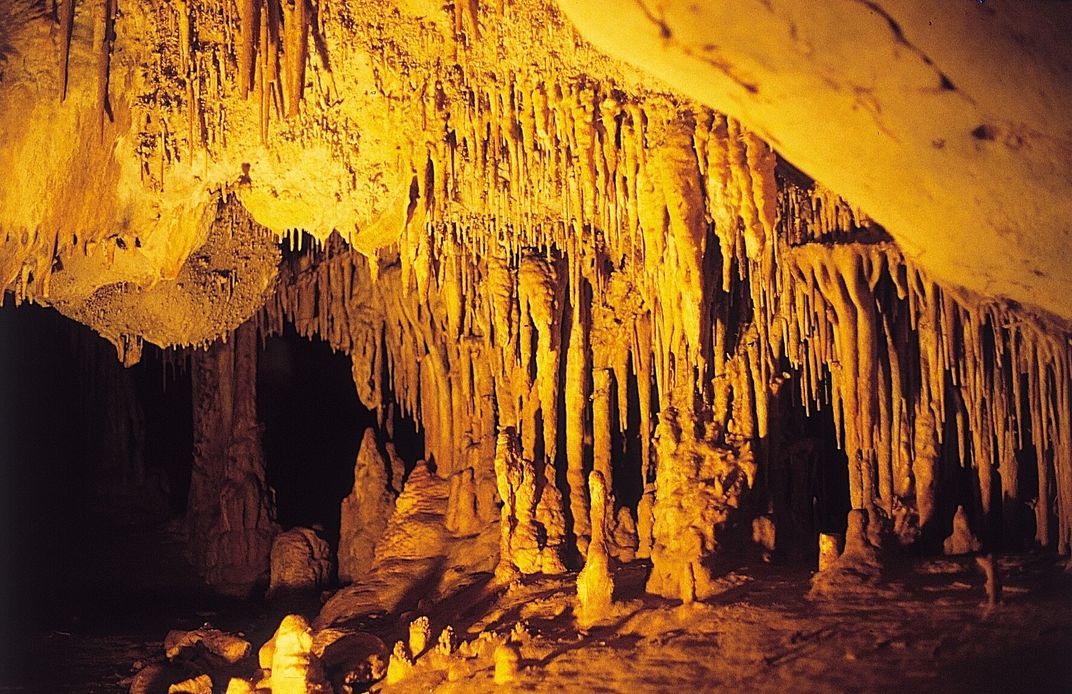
x,y
564,248
904,363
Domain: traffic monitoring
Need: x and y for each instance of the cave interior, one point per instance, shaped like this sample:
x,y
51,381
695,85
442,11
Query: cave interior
x,y
478,346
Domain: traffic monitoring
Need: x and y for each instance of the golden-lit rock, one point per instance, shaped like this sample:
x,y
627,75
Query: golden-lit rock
x,y
420,633
507,660
239,686
913,113
231,649
526,545
300,560
595,585
229,514
289,656
202,684
829,550
400,664
859,567
350,658
364,512
961,540
699,485
447,642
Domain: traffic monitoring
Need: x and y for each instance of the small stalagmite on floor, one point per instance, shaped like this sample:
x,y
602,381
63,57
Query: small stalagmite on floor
x,y
961,540
858,568
288,661
595,585
524,547
364,512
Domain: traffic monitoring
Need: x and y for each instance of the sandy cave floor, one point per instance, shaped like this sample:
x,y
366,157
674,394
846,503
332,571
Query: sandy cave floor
x,y
925,629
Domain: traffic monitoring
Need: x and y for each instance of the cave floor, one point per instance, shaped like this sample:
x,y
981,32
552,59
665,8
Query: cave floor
x,y
125,585
924,629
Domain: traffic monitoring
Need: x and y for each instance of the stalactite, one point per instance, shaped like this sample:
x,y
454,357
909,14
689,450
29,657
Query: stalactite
x,y
672,260
65,12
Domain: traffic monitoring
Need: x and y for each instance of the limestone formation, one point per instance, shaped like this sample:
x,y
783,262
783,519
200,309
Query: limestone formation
x,y
989,566
350,658
961,540
294,669
301,561
623,541
447,642
595,585
764,534
400,664
239,686
859,566
829,550
525,545
420,632
202,684
230,512
700,483
364,513
730,258
229,648
506,664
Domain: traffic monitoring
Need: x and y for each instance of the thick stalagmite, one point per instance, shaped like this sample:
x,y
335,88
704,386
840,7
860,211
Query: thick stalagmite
x,y
595,585
699,485
230,515
365,511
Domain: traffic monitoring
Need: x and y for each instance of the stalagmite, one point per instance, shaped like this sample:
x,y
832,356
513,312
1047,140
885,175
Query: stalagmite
x,y
961,540
857,569
294,669
400,664
829,550
989,566
524,547
506,664
699,484
595,585
447,642
364,512
420,632
623,541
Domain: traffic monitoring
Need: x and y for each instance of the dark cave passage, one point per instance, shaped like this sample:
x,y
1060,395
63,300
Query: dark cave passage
x,y
312,420
94,475
312,423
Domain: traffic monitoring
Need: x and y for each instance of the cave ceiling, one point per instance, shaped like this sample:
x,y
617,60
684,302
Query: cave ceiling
x,y
124,127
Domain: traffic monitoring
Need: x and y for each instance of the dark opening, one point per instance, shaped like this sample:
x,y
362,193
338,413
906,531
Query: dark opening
x,y
94,462
313,421
808,476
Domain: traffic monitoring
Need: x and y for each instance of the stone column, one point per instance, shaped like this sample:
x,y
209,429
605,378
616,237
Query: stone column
x,y
229,512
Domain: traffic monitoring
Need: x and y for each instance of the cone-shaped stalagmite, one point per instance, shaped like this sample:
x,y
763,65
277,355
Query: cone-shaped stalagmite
x,y
365,511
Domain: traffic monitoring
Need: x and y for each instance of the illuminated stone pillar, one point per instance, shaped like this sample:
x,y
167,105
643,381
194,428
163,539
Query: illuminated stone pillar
x,y
229,513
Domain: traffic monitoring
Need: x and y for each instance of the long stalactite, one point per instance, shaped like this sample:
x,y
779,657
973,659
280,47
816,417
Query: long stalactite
x,y
535,291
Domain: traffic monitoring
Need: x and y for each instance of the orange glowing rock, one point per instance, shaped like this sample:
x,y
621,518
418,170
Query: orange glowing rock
x,y
961,540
